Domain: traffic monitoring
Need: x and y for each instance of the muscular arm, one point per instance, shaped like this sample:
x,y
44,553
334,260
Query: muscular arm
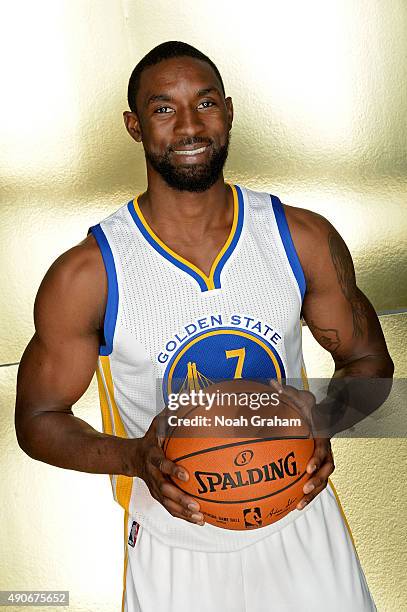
x,y
342,320
58,365
55,371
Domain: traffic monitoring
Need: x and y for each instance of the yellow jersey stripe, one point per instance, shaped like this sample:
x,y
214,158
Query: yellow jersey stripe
x,y
124,484
104,406
105,409
342,513
304,378
126,556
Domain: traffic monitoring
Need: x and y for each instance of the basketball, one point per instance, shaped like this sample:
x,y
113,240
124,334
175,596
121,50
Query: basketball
x,y
246,470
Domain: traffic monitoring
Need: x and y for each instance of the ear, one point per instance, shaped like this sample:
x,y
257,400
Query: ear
x,y
229,109
132,123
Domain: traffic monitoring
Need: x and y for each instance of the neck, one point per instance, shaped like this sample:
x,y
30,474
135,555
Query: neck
x,y
196,212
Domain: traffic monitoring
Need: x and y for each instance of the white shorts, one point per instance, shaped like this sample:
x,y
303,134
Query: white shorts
x,y
310,564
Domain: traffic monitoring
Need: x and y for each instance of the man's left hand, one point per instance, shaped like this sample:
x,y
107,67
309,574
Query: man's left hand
x,y
321,464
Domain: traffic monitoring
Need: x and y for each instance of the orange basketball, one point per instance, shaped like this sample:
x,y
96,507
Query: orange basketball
x,y
241,482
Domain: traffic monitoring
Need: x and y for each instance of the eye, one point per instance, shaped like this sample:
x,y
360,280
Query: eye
x,y
206,104
163,110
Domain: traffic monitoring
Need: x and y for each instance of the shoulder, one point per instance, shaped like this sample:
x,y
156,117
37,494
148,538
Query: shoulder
x,y
79,264
306,224
76,283
317,242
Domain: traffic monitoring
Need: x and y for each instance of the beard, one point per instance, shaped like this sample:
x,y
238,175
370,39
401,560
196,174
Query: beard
x,y
191,177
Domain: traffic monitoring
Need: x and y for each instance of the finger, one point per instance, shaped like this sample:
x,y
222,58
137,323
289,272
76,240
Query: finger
x,y
162,487
300,398
316,484
303,401
189,520
171,492
319,477
160,461
174,470
322,452
276,385
177,510
310,496
160,440
286,392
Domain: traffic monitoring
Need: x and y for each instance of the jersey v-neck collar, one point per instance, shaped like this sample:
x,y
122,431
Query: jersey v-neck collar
x,y
205,282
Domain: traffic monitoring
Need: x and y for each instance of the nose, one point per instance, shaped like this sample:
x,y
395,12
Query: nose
x,y
188,122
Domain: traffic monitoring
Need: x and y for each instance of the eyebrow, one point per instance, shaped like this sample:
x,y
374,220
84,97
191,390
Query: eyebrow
x,y
167,98
159,98
204,92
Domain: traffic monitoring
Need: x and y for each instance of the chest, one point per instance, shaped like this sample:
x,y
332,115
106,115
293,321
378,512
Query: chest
x,y
240,318
201,252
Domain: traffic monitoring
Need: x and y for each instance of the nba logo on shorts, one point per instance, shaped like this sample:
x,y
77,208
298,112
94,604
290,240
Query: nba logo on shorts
x,y
252,517
133,534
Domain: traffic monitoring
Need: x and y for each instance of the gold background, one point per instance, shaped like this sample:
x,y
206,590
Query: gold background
x,y
320,99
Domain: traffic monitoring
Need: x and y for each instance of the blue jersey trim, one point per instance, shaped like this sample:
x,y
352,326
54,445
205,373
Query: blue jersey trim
x,y
112,290
288,244
162,251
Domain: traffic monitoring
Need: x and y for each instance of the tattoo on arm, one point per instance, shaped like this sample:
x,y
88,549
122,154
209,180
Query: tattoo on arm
x,y
346,277
328,338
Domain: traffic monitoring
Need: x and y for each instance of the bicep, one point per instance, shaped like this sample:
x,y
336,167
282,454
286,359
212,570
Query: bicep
x,y
54,376
339,315
59,362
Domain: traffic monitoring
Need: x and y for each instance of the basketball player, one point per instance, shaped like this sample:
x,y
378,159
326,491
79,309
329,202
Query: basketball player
x,y
197,278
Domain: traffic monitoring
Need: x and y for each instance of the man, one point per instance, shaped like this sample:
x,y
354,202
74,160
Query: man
x,y
197,278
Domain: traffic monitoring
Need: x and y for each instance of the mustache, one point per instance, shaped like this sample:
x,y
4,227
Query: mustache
x,y
187,142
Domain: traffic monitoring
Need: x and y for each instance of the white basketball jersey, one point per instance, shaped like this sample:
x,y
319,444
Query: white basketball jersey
x,y
167,324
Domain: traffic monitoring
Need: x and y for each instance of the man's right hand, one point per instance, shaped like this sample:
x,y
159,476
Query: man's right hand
x,y
153,467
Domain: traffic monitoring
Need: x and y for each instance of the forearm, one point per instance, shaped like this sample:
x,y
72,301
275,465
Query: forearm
x,y
355,391
64,440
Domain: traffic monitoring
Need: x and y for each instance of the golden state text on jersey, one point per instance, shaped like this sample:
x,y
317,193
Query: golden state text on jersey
x,y
243,348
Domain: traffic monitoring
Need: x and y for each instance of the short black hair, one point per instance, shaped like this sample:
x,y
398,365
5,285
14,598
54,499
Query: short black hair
x,y
166,50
